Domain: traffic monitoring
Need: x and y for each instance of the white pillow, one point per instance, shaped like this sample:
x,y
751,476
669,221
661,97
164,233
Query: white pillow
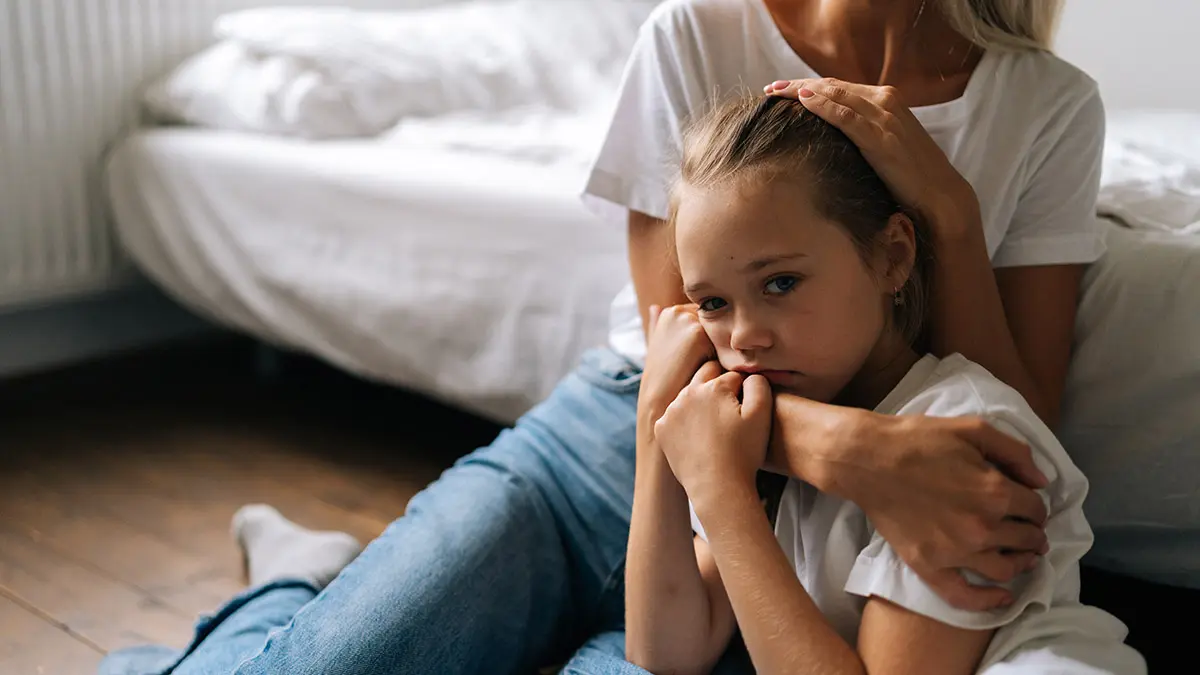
x,y
328,72
1151,176
227,86
1131,415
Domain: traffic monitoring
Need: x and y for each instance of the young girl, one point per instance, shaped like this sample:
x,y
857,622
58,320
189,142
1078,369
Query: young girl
x,y
806,276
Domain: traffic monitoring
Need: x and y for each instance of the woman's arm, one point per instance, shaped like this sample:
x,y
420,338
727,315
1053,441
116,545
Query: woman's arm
x,y
1017,322
656,278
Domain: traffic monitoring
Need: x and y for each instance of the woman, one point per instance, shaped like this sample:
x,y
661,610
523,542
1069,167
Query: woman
x,y
515,556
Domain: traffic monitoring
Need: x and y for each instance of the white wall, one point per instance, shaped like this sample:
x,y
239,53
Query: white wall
x,y
1144,53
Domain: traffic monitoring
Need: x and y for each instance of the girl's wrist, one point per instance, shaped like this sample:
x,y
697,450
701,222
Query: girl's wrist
x,y
725,499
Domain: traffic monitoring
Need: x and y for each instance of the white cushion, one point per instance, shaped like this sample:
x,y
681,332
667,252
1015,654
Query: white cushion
x,y
1131,416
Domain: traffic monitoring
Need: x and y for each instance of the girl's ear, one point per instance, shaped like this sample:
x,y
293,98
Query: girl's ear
x,y
899,245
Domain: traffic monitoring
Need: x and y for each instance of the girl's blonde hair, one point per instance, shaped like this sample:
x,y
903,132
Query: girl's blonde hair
x,y
767,138
1004,24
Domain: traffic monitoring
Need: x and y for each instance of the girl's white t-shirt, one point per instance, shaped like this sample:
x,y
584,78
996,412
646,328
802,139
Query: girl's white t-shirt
x,y
1027,133
842,561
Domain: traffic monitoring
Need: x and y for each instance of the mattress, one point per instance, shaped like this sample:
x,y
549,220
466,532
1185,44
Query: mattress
x,y
475,278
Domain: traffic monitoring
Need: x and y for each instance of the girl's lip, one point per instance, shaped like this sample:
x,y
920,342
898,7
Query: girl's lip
x,y
778,377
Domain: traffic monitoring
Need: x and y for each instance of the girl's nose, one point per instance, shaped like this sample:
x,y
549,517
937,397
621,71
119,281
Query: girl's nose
x,y
750,335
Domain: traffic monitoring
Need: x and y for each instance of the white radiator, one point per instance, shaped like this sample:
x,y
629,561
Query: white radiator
x,y
70,73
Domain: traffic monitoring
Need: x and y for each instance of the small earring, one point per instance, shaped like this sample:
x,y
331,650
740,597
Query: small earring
x,y
898,299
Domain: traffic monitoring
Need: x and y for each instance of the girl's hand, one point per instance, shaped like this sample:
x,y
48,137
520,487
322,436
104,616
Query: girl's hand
x,y
894,142
676,348
710,438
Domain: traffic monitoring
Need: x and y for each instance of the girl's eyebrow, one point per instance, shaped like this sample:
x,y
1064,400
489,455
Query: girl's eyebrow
x,y
762,263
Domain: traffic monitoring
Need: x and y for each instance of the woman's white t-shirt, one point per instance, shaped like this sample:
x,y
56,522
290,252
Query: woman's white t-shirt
x,y
1027,133
842,561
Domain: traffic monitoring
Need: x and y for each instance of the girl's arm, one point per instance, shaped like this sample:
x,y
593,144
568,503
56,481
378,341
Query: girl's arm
x,y
784,630
895,641
671,624
677,618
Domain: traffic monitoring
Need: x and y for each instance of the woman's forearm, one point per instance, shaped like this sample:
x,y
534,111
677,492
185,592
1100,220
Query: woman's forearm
x,y
655,276
667,606
966,313
824,445
783,629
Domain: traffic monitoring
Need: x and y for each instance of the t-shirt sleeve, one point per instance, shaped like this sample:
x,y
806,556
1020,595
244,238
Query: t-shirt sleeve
x,y
1055,219
639,156
697,528
879,571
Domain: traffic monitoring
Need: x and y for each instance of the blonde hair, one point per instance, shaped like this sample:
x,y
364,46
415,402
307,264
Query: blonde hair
x,y
1004,24
769,138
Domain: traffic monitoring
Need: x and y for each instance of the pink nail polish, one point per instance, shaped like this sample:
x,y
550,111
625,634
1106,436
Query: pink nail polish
x,y
806,93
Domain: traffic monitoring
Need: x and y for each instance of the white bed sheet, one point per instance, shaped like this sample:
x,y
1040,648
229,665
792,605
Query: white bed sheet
x,y
474,278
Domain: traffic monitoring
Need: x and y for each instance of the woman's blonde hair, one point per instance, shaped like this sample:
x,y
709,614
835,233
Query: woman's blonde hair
x,y
767,138
1004,24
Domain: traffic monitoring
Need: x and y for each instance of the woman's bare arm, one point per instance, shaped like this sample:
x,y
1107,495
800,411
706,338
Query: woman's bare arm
x,y
1016,322
652,265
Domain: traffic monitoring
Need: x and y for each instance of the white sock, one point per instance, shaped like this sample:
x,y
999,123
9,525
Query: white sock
x,y
276,548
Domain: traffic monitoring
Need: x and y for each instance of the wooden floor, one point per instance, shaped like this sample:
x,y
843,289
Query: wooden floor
x,y
117,483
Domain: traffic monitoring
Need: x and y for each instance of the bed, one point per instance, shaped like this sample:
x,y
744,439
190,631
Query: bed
x,y
470,277
300,189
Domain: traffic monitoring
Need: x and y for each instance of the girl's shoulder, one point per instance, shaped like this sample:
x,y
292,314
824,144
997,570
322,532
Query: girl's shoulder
x,y
956,386
952,387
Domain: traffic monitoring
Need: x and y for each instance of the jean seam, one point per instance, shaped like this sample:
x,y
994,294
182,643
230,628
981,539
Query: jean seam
x,y
623,381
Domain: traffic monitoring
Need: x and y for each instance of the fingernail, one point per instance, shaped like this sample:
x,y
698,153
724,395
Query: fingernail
x,y
805,93
779,84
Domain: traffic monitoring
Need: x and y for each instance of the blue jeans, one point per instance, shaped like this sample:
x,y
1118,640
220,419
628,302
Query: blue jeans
x,y
510,561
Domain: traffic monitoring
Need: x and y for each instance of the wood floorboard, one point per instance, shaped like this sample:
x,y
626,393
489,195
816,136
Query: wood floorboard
x,y
118,480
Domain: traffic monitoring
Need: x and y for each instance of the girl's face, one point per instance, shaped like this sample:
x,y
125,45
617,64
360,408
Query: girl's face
x,y
781,290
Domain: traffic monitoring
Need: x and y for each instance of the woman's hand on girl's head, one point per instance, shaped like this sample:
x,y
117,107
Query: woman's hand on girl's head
x,y
895,143
711,439
676,348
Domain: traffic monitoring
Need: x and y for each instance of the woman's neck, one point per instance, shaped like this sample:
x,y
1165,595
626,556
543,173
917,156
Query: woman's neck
x,y
904,43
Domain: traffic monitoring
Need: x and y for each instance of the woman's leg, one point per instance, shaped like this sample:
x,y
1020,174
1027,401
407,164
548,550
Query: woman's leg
x,y
503,560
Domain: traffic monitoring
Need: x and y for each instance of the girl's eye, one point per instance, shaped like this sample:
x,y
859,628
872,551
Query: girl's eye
x,y
712,304
781,285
